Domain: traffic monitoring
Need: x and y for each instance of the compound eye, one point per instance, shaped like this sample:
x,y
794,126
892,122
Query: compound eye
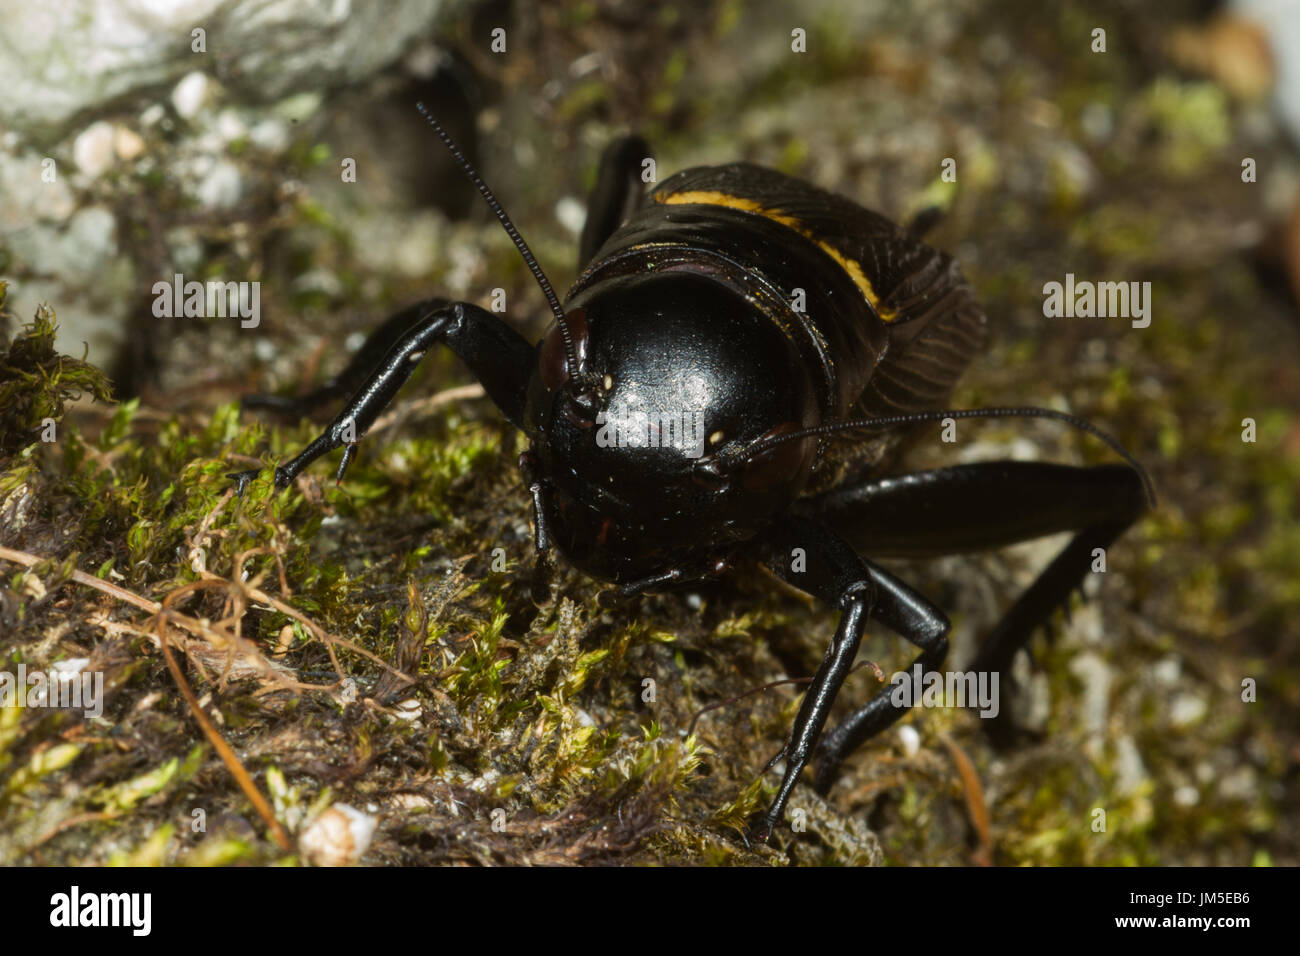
x,y
779,464
552,360
581,405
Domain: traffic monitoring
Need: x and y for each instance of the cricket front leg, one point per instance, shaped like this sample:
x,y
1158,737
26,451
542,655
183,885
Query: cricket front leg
x,y
500,358
362,363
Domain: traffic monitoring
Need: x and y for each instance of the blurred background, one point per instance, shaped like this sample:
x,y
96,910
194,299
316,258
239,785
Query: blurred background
x,y
243,141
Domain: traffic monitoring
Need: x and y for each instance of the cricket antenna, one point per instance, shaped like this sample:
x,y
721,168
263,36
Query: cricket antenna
x,y
570,353
890,421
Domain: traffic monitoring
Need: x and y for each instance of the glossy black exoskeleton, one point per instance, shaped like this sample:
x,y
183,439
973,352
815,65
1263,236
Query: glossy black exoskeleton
x,y
696,399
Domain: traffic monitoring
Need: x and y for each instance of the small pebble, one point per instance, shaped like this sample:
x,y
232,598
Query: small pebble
x,y
189,94
1187,709
92,150
910,740
572,214
127,143
221,187
339,836
1167,670
152,115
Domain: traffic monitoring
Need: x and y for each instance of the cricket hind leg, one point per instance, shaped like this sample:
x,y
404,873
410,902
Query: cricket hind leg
x,y
977,507
618,192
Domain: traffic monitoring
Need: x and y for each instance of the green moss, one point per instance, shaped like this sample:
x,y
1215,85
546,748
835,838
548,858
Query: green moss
x,y
1192,120
36,382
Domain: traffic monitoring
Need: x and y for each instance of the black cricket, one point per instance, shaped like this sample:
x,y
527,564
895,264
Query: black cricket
x,y
777,319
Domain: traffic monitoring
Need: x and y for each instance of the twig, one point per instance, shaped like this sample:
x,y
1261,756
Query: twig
x,y
81,577
223,749
162,614
323,635
975,803
73,821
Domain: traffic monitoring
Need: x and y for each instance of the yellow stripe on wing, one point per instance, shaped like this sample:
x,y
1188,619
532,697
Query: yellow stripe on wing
x,y
707,197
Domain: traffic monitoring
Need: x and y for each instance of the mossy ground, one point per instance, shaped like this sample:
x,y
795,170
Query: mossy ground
x,y
540,712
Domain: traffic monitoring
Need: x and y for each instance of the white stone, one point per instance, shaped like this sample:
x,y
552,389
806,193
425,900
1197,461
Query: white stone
x,y
339,836
152,115
91,237
73,57
1187,709
1282,26
127,143
1167,670
189,95
909,740
270,134
230,126
323,281
221,187
28,196
1130,771
572,214
69,668
92,150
